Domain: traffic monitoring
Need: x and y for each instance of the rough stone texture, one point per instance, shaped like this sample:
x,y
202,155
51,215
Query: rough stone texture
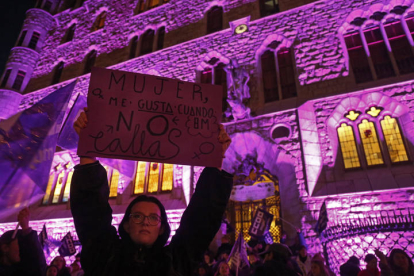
x,y
9,103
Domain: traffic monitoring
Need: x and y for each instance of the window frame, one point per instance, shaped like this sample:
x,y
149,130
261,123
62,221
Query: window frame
x,y
19,83
147,178
100,21
212,15
34,41
90,61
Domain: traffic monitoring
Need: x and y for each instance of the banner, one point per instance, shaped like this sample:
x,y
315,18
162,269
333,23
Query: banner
x,y
149,118
268,238
260,223
322,222
43,236
237,259
68,247
27,145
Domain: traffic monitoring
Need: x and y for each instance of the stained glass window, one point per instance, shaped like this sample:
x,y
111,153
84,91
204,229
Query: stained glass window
x,y
113,188
167,177
348,146
65,197
140,178
393,138
154,174
58,187
49,188
370,143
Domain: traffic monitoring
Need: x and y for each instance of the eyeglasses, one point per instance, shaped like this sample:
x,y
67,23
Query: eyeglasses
x,y
140,218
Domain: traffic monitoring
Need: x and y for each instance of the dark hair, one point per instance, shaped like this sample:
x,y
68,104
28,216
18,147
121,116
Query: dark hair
x,y
354,260
322,267
64,262
391,259
50,266
163,238
217,272
369,257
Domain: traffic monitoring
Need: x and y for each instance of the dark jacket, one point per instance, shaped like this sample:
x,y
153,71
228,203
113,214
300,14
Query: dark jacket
x,y
106,253
32,259
275,267
349,269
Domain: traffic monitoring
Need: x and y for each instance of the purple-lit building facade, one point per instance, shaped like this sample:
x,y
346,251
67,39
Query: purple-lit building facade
x,y
330,98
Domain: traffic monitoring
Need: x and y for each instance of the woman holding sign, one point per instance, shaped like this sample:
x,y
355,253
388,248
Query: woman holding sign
x,y
138,248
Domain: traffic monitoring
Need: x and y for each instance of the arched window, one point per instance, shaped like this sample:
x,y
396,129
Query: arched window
x,y
147,42
393,139
220,78
153,177
100,21
160,40
357,57
34,40
133,47
269,75
286,73
58,187
58,72
400,46
348,146
268,7
369,139
379,52
70,33
90,61
214,19
22,37
66,192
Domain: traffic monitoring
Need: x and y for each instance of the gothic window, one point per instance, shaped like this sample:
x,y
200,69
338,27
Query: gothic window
x,y
34,40
268,7
348,146
369,139
161,35
90,61
286,72
400,46
357,57
147,42
17,85
214,19
153,177
207,75
58,73
22,37
133,47
216,75
269,75
379,52
6,78
393,139
99,22
70,33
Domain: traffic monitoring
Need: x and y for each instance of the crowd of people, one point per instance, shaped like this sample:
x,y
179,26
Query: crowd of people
x,y
139,245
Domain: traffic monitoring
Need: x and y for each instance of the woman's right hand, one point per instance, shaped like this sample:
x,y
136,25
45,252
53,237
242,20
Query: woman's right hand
x,y
81,122
381,256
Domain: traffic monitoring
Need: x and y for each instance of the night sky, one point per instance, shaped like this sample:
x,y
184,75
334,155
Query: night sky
x,y
12,15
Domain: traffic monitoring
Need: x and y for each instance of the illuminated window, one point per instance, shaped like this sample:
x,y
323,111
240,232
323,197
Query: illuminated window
x,y
67,187
352,115
214,20
240,214
153,177
46,198
99,22
374,111
370,143
113,184
58,187
348,146
393,138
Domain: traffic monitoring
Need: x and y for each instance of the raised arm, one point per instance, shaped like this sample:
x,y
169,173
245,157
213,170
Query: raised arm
x,y
202,218
89,194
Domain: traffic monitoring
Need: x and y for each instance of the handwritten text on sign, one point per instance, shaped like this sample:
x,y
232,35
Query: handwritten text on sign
x,y
142,117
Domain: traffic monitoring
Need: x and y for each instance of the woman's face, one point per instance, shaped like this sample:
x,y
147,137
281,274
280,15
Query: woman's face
x,y
206,258
52,271
315,269
401,260
59,262
144,233
224,269
201,271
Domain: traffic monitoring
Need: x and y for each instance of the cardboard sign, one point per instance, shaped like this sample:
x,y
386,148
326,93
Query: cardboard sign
x,y
150,118
260,223
255,192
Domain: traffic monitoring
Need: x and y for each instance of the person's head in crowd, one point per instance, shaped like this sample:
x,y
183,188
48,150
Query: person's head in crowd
x,y
59,262
223,256
208,257
277,251
318,257
303,252
253,258
371,260
75,266
318,268
145,223
223,269
9,249
225,239
400,262
354,260
202,270
52,270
